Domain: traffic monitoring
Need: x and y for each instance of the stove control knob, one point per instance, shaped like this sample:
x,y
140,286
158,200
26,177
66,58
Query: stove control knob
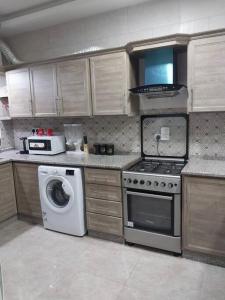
x,y
129,180
162,184
135,181
170,185
156,183
142,182
148,182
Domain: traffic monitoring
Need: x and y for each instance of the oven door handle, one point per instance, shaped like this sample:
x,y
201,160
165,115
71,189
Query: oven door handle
x,y
170,198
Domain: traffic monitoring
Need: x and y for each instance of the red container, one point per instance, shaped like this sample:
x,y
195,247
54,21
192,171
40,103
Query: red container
x,y
41,131
49,132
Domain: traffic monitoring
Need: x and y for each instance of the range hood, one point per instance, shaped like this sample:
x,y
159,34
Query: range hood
x,y
158,90
162,73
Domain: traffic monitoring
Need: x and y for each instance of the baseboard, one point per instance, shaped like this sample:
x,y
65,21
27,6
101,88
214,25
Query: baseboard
x,y
106,236
205,258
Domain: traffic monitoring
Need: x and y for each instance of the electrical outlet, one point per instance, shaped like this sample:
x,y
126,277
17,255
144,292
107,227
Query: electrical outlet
x,y
157,137
165,134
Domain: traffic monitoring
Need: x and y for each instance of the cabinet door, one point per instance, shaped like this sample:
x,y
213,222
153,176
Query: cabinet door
x,y
19,91
27,190
206,74
204,215
7,193
73,78
44,90
109,83
106,224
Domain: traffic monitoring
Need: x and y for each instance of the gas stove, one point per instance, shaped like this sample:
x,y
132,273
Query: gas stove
x,y
155,175
152,187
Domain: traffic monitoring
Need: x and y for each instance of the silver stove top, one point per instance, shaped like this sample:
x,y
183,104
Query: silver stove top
x,y
158,167
155,175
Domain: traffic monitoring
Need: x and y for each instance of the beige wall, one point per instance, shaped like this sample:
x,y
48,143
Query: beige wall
x,y
151,19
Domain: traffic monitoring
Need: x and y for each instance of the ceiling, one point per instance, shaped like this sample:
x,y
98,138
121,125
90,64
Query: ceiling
x,y
27,15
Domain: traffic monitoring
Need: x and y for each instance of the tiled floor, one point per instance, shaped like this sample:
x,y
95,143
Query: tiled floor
x,y
39,265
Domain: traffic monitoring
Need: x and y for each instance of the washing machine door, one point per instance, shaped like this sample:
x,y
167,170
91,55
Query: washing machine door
x,y
59,194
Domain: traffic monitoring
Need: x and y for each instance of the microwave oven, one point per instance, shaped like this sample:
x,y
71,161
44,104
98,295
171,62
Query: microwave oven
x,y
48,145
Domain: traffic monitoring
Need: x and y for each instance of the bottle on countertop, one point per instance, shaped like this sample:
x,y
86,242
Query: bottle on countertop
x,y
85,142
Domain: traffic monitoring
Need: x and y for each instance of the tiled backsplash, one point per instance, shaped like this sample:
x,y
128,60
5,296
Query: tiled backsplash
x,y
175,146
7,138
207,132
123,131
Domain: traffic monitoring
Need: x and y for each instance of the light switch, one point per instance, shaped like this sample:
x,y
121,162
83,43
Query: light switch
x,y
165,133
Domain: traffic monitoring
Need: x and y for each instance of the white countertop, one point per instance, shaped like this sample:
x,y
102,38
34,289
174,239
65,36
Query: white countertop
x,y
205,167
118,161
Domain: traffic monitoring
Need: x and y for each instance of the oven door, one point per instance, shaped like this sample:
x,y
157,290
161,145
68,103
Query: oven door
x,y
152,212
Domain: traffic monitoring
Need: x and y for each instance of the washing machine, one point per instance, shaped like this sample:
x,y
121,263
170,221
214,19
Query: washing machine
x,y
62,199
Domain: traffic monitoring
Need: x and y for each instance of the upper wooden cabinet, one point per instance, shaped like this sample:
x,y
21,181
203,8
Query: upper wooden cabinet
x,y
18,85
80,87
206,74
203,215
73,78
44,90
110,81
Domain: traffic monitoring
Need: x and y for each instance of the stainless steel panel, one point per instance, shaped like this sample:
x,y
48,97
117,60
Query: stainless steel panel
x,y
177,215
147,195
152,182
153,240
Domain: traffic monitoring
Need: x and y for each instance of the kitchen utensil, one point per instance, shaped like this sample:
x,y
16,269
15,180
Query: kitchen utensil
x,y
24,151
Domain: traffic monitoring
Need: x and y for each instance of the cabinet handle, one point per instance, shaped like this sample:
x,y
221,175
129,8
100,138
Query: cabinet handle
x,y
57,105
61,105
191,100
31,106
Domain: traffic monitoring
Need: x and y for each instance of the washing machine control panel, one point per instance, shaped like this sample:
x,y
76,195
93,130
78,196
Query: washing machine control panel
x,y
70,172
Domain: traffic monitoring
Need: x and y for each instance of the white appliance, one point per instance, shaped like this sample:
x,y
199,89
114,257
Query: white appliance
x,y
48,145
62,199
74,137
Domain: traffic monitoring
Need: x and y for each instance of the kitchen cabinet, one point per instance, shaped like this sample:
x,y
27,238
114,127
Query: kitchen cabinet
x,y
110,80
77,87
73,78
104,203
206,74
204,215
27,190
7,194
19,93
103,176
44,90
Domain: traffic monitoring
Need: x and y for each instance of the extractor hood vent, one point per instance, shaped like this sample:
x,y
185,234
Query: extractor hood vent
x,y
8,54
158,90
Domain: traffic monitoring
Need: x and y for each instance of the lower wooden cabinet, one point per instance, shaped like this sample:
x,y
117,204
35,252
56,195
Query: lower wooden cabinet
x,y
7,192
104,203
109,208
204,215
106,224
27,190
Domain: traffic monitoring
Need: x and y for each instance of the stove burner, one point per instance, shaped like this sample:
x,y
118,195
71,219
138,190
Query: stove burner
x,y
158,167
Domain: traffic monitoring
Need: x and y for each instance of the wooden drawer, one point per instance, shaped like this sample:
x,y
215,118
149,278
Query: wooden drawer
x,y
106,224
104,207
105,192
102,176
